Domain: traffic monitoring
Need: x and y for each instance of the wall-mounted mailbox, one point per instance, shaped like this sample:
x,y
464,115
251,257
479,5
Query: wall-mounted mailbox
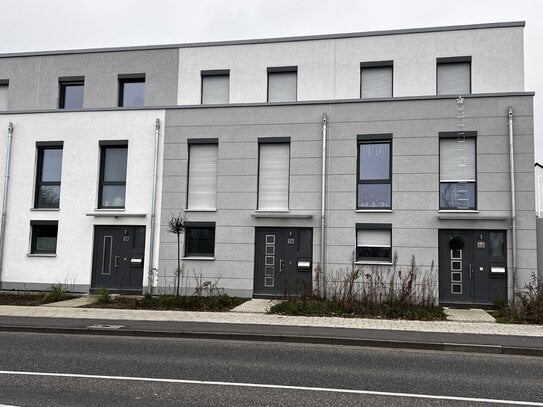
x,y
136,262
497,271
304,265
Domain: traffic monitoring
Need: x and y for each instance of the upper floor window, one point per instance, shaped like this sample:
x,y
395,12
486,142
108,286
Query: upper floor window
x,y
202,179
112,189
457,170
376,79
374,172
454,76
4,86
71,92
273,173
131,90
216,87
48,175
282,84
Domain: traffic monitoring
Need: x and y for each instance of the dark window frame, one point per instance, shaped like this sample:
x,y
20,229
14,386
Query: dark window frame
x,y
373,226
281,69
202,226
66,82
103,147
452,61
213,72
192,142
273,140
35,227
377,64
374,139
129,78
451,135
41,147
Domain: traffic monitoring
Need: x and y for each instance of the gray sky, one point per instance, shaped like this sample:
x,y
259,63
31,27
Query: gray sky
x,y
34,25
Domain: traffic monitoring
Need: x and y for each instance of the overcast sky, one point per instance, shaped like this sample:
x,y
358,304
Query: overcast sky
x,y
35,25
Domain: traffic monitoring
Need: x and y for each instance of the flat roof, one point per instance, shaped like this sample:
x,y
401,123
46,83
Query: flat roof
x,y
271,40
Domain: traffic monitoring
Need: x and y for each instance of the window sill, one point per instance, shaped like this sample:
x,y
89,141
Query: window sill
x,y
374,263
45,209
200,210
41,255
202,258
374,210
114,213
458,211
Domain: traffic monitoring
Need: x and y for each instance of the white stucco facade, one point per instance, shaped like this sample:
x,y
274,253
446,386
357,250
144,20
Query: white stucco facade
x,y
330,68
81,133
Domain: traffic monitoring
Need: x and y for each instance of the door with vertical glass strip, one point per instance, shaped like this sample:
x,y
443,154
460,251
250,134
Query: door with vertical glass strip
x,y
118,258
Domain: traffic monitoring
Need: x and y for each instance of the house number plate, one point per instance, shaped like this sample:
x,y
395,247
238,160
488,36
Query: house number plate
x,y
290,241
481,245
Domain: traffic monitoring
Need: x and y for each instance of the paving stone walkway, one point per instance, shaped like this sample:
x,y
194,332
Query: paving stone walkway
x,y
266,319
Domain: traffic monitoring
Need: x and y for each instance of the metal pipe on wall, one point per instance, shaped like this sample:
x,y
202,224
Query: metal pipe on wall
x,y
322,289
150,278
513,204
5,199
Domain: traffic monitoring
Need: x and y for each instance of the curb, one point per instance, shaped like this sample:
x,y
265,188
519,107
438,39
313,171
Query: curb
x,y
302,339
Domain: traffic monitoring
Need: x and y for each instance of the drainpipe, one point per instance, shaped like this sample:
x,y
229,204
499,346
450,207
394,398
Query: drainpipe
x,y
513,203
5,199
322,288
153,269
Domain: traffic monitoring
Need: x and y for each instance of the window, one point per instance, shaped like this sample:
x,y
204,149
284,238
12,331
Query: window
x,y
202,179
112,175
48,175
454,76
44,237
273,173
71,93
131,90
199,239
4,85
376,79
457,170
374,172
282,83
373,242
215,87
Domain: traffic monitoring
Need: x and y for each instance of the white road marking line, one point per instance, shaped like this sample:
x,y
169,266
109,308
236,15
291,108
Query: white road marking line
x,y
272,386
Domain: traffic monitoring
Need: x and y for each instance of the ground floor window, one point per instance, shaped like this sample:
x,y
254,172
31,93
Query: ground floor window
x,y
373,242
200,239
44,237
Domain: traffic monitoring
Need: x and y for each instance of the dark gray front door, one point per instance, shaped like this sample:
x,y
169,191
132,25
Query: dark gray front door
x,y
118,257
283,261
472,266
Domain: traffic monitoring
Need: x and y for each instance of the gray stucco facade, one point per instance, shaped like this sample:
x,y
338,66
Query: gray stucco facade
x,y
415,217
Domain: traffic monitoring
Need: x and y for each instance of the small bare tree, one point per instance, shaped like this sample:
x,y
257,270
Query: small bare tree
x,y
176,225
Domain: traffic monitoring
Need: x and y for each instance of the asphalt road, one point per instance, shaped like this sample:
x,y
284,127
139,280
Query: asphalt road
x,y
84,370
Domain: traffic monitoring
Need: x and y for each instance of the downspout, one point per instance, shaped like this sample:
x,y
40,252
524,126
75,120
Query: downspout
x,y
5,199
322,288
513,205
153,269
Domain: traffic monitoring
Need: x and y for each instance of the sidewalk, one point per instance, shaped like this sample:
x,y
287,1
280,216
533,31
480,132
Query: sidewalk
x,y
438,335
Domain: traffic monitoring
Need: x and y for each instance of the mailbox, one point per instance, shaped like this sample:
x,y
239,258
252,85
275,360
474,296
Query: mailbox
x,y
136,262
497,271
304,265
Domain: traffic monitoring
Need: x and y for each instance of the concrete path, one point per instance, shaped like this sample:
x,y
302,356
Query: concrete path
x,y
73,303
256,305
468,315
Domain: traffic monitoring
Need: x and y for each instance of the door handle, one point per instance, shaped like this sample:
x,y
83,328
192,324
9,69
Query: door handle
x,y
116,262
281,265
471,271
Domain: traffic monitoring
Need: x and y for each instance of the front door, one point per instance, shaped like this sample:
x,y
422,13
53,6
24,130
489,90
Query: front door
x,y
472,267
283,261
118,258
